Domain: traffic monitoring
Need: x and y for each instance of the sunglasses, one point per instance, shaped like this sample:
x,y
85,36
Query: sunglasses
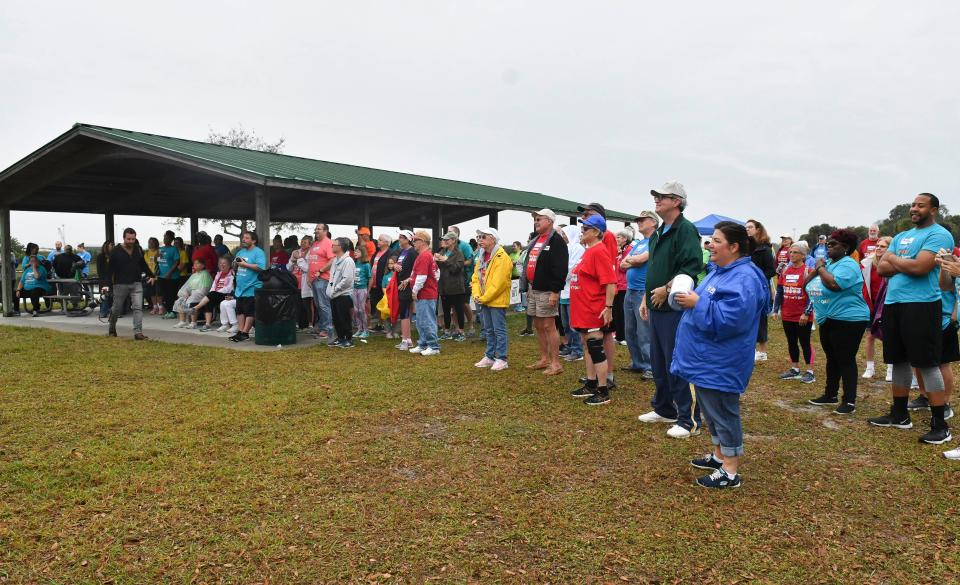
x,y
662,197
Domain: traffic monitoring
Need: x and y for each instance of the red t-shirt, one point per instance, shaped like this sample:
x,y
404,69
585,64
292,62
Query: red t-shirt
x,y
867,247
783,258
588,287
279,258
621,272
532,258
209,256
425,265
610,243
795,297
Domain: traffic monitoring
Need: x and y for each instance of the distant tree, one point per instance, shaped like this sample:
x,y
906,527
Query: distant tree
x,y
240,137
814,232
17,247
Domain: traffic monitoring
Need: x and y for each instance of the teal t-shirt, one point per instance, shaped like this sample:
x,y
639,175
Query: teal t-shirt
x,y
949,300
32,280
385,280
903,288
362,278
846,304
166,258
246,281
467,252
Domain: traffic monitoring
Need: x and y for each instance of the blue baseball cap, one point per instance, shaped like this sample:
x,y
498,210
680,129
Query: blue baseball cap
x,y
596,222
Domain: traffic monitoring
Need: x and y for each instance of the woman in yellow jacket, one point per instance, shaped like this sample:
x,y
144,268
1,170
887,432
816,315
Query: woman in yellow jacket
x,y
491,291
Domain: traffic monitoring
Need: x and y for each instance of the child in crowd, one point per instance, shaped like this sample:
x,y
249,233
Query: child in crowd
x,y
361,288
384,283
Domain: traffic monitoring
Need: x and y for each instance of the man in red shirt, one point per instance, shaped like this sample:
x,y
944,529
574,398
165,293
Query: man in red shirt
x,y
205,251
593,287
610,243
869,245
319,261
544,276
424,277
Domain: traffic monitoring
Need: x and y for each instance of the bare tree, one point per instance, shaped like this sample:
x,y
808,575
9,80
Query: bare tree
x,y
240,137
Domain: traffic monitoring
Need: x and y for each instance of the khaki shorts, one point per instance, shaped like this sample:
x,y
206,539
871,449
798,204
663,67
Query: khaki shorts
x,y
538,304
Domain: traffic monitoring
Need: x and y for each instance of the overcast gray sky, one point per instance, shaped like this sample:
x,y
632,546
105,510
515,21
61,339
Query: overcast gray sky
x,y
820,111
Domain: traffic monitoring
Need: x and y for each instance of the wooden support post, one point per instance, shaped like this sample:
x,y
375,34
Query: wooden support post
x,y
108,228
194,228
365,214
573,220
261,206
495,220
6,291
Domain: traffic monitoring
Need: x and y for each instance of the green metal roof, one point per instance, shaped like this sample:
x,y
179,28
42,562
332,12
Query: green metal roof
x,y
290,171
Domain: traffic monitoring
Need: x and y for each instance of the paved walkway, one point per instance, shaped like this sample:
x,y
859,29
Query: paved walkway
x,y
154,327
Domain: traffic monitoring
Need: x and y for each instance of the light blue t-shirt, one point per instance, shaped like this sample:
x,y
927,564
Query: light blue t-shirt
x,y
86,257
637,276
819,251
246,281
166,258
949,300
903,288
846,304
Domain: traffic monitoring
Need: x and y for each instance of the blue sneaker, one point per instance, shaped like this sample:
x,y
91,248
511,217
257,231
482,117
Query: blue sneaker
x,y
708,461
719,480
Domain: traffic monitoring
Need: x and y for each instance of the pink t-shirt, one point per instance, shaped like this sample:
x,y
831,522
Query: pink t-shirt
x,y
319,256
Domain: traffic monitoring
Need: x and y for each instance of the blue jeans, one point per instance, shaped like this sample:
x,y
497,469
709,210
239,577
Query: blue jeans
x,y
427,323
324,314
722,411
636,330
573,337
495,324
106,301
672,398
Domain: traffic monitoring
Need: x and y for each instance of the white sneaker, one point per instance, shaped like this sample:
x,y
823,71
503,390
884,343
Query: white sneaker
x,y
484,363
953,454
868,372
759,356
233,329
948,412
223,329
430,351
499,365
416,349
180,325
191,326
403,346
653,417
889,377
678,432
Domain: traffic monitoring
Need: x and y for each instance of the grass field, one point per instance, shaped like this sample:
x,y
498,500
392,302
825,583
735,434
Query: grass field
x,y
133,462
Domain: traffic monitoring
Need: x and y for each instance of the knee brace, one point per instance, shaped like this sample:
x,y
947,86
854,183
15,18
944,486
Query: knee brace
x,y
595,347
902,375
932,379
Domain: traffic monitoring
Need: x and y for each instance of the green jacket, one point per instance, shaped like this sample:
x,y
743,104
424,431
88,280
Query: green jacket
x,y
675,252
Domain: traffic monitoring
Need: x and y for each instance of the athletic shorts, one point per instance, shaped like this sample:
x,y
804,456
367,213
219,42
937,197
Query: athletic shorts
x,y
245,306
950,348
911,333
405,305
538,304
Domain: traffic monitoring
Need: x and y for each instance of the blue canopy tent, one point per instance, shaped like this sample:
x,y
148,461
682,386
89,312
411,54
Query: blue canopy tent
x,y
705,225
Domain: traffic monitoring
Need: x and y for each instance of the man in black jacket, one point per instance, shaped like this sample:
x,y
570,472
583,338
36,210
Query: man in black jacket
x,y
123,273
544,273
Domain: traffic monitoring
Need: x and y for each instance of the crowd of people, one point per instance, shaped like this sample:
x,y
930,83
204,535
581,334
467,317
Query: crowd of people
x,y
692,314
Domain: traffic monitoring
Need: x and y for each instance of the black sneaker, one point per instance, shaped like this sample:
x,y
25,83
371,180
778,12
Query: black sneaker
x,y
889,420
708,461
719,480
526,333
583,392
597,399
610,382
335,343
846,408
347,344
919,403
824,400
937,436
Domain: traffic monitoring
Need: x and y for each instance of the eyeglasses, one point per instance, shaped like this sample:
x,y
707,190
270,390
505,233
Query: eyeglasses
x,y
662,197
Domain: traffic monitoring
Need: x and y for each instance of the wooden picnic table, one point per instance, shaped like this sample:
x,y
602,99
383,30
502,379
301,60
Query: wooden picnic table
x,y
83,294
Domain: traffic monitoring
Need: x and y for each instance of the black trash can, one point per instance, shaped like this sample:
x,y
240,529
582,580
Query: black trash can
x,y
276,316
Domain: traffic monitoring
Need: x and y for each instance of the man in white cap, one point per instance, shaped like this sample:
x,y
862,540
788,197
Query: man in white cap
x,y
544,275
675,250
490,288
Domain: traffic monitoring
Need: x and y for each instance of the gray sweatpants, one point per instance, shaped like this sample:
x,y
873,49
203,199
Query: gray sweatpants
x,y
120,294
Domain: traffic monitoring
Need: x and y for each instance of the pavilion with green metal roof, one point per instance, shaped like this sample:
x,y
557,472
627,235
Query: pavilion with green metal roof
x,y
94,169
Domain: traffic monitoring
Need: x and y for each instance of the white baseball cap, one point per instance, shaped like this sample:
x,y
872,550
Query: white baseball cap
x,y
547,213
407,234
674,188
490,232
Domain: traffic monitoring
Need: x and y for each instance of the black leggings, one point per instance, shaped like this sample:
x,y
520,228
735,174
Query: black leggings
x,y
798,337
841,342
455,304
342,321
168,290
34,295
306,311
